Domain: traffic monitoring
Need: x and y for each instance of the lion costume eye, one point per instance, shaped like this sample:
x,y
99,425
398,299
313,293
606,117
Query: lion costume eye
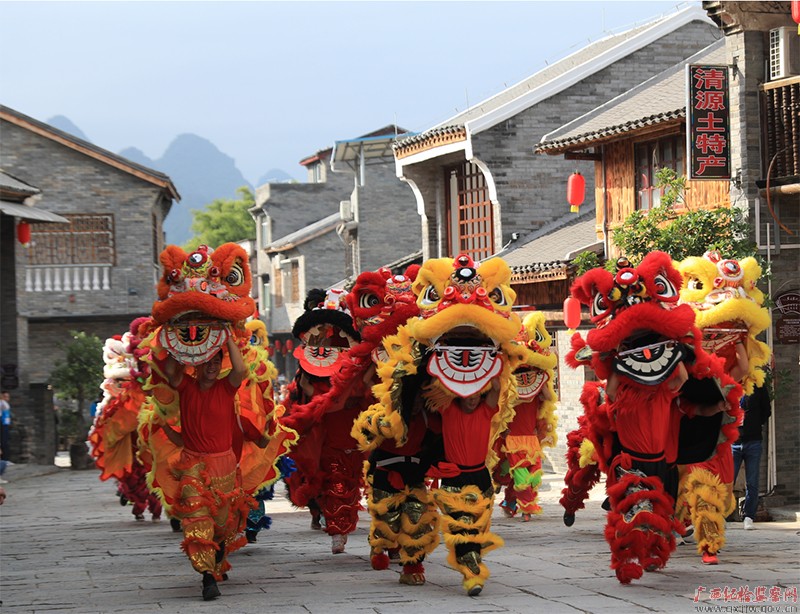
x,y
664,287
235,276
599,304
497,297
430,296
368,301
539,337
694,284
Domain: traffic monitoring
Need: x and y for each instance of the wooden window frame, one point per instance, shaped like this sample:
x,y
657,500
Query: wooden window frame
x,y
469,212
652,151
88,239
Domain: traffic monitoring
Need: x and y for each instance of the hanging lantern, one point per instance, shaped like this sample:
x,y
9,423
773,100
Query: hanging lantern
x,y
796,14
576,191
572,313
278,344
24,233
289,345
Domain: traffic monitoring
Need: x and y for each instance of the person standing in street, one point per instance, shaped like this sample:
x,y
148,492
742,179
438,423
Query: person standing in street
x,y
5,423
757,409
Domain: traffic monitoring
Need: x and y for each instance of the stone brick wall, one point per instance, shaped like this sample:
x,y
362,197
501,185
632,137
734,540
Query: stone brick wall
x,y
72,182
389,227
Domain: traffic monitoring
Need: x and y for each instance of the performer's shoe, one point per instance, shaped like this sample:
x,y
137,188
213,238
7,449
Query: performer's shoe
x,y
210,588
526,517
139,516
509,508
379,561
709,559
252,536
316,525
413,574
123,501
472,561
475,590
337,543
175,524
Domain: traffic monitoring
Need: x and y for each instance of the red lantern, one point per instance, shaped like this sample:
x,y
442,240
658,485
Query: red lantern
x,y
572,312
24,233
289,346
576,191
278,344
796,14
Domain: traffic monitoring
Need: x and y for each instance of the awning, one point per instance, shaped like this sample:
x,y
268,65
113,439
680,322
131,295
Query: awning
x,y
30,213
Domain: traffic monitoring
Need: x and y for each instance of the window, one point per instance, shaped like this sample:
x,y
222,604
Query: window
x,y
469,212
651,156
87,239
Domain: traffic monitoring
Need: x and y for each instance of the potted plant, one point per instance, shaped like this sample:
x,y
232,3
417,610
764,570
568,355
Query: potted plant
x,y
77,377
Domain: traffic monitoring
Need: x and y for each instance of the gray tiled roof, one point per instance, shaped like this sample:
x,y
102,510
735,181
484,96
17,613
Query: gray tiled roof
x,y
555,243
659,99
551,79
12,184
322,226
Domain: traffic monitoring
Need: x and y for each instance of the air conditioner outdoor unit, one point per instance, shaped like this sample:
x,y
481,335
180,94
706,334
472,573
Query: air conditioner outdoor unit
x,y
784,53
346,210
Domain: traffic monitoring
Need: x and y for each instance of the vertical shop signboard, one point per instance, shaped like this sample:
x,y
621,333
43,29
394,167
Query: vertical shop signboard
x,y
708,122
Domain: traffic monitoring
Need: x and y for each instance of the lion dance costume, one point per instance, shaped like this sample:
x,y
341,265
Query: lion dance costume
x,y
519,451
113,438
329,476
639,423
203,299
404,518
730,313
458,346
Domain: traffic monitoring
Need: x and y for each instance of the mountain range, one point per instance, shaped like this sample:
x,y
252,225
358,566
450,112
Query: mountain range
x,y
198,169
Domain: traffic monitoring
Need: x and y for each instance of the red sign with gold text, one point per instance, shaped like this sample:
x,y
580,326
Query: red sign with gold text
x,y
708,122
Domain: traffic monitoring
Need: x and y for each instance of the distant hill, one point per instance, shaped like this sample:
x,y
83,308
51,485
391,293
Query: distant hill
x,y
63,123
200,172
275,175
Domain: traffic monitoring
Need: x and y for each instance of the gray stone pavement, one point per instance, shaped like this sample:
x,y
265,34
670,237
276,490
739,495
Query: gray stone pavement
x,y
66,545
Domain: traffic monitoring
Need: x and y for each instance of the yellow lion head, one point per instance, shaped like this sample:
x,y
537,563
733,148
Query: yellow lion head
x,y
728,307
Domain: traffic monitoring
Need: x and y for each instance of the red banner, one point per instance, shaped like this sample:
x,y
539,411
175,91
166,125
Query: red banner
x,y
708,122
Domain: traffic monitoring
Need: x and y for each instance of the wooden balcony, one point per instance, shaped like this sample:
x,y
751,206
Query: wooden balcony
x,y
780,121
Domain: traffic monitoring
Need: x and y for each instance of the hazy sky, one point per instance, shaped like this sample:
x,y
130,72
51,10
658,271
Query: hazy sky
x,y
270,83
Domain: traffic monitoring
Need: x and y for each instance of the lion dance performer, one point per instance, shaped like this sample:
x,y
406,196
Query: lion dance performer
x,y
329,476
660,402
519,451
457,349
730,313
210,450
404,519
113,437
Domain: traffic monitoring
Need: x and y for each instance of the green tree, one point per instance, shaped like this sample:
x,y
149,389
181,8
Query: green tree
x,y
683,235
224,220
79,374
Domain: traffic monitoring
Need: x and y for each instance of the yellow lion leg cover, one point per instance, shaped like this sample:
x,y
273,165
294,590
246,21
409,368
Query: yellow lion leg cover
x,y
709,502
466,519
384,508
419,526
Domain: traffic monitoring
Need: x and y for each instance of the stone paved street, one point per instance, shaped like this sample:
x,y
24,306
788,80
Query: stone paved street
x,y
68,546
